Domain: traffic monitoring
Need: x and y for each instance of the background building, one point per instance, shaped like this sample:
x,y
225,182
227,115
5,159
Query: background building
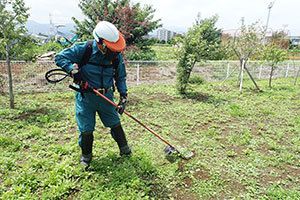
x,y
295,40
165,35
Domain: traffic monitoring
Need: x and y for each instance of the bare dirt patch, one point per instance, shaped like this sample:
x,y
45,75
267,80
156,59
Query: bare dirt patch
x,y
32,113
162,97
284,173
201,174
188,182
183,194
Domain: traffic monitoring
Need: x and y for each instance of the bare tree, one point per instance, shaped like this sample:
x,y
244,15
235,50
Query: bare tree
x,y
247,42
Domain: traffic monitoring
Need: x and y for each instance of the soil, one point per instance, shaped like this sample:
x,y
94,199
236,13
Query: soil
x,y
31,113
201,174
183,194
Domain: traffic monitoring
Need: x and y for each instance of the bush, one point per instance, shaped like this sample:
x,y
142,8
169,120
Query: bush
x,y
202,42
196,79
135,53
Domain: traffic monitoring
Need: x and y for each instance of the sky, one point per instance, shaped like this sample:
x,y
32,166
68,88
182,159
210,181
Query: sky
x,y
179,15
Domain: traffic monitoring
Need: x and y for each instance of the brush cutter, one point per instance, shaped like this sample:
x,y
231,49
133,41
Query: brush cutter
x,y
52,77
170,149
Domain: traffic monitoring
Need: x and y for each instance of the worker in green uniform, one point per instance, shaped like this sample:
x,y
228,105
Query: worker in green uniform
x,y
104,69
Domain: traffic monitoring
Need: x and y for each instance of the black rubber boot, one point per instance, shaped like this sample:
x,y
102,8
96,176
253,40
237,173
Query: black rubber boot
x,y
86,145
119,136
85,160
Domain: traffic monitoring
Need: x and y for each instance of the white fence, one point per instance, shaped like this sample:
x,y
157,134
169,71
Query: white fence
x,y
30,76
153,71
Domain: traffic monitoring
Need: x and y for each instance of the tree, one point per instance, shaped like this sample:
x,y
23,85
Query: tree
x,y
273,54
226,51
131,19
247,42
13,16
25,49
202,42
280,39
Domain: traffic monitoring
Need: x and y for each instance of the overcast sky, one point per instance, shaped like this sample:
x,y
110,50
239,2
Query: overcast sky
x,y
181,14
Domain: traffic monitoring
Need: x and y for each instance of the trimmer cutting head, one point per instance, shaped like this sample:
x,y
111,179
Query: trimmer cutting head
x,y
172,153
169,150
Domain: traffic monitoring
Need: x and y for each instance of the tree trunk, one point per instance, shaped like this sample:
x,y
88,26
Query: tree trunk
x,y
187,78
251,77
190,71
240,73
271,75
10,80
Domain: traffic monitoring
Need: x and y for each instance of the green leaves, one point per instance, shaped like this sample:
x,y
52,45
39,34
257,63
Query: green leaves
x,y
13,16
133,20
273,54
248,41
202,42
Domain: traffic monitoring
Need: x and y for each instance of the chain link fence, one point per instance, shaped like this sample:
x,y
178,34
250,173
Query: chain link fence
x,y
29,77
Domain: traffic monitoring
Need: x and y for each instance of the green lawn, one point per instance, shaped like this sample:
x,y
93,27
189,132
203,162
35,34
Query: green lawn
x,y
247,146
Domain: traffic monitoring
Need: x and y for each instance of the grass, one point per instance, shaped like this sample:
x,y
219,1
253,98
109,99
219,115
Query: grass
x,y
165,52
247,146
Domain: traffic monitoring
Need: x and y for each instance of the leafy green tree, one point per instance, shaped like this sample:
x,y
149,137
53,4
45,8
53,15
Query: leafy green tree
x,y
226,51
50,46
273,54
202,42
177,39
133,20
26,49
13,16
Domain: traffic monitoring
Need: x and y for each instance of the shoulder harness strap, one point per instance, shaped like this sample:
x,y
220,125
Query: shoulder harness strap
x,y
115,63
87,53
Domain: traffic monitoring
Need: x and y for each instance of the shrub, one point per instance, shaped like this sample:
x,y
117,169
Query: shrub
x,y
135,53
196,79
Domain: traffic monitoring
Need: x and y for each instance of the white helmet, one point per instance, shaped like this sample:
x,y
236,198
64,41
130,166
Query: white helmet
x,y
109,34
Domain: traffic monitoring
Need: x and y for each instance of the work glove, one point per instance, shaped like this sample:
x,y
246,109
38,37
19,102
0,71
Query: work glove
x,y
122,104
76,75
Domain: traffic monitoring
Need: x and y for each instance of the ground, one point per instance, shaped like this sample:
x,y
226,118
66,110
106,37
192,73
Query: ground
x,y
247,146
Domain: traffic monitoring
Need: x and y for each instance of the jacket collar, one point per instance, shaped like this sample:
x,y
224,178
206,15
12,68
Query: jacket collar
x,y
95,47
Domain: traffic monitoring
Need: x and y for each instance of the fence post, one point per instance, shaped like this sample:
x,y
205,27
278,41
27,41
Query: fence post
x,y
227,73
242,75
260,71
287,70
138,74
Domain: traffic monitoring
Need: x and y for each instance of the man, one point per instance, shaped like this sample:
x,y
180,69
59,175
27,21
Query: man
x,y
104,66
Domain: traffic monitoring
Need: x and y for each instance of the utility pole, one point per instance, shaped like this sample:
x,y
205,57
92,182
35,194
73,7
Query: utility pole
x,y
52,30
243,21
198,19
270,6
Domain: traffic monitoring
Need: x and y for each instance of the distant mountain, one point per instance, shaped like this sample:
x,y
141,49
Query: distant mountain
x,y
34,27
177,29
